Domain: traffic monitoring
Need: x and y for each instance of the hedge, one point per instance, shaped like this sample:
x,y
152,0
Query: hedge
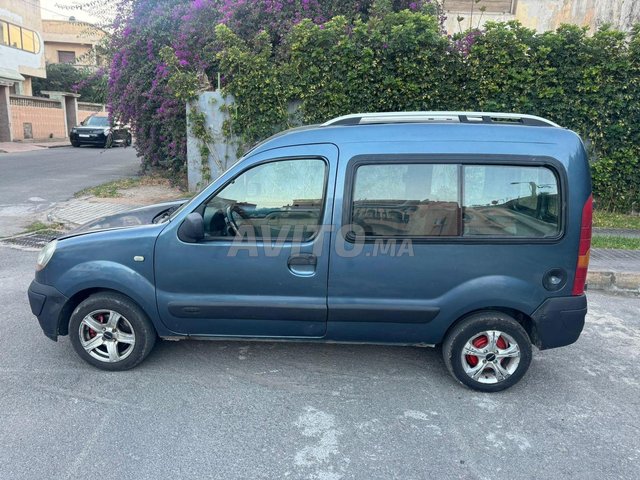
x,y
402,61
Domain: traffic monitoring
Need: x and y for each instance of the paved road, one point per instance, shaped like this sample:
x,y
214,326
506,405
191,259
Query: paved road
x,y
31,182
237,410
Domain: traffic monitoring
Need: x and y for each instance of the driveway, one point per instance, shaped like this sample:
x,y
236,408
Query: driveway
x,y
239,410
31,182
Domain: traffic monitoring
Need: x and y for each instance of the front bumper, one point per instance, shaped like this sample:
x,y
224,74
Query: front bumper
x,y
91,139
46,304
559,321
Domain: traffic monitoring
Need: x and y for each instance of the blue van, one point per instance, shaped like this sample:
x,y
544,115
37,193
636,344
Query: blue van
x,y
469,231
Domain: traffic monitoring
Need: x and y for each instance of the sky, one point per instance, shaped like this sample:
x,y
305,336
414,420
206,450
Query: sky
x,y
51,9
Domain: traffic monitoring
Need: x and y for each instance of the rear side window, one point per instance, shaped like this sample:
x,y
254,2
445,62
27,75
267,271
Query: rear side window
x,y
407,200
453,200
510,201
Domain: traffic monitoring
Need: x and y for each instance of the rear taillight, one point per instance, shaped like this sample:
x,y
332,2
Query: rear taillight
x,y
584,249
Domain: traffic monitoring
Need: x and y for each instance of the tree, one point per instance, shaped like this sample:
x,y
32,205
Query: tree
x,y
62,77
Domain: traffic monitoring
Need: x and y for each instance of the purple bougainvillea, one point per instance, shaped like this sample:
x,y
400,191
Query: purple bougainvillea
x,y
138,85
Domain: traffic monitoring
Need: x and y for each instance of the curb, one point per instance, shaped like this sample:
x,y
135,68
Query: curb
x,y
616,232
59,146
615,282
32,147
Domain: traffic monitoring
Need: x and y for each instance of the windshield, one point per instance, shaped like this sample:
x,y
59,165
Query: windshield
x,y
97,121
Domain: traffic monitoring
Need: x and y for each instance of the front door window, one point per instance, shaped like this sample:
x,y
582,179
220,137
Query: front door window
x,y
279,200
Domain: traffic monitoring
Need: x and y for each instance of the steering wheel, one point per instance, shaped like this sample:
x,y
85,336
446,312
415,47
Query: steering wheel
x,y
231,222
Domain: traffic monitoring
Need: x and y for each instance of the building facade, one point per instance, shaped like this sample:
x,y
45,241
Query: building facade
x,y
69,41
543,15
21,45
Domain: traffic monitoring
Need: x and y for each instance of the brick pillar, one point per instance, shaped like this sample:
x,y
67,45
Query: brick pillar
x,y
5,114
71,111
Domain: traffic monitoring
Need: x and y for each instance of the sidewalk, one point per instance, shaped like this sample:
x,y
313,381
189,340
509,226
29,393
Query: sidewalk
x,y
74,213
78,211
19,147
615,271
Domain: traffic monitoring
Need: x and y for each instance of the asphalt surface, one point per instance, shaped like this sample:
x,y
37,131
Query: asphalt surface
x,y
31,182
239,410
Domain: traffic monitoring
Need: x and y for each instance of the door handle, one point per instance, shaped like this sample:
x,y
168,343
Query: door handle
x,y
303,264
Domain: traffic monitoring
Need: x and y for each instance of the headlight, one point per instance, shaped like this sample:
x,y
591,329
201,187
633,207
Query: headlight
x,y
45,255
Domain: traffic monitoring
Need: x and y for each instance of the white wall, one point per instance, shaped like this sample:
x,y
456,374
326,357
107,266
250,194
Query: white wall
x,y
24,14
544,15
550,14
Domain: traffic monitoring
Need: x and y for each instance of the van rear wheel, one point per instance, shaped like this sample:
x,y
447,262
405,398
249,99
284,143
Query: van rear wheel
x,y
111,332
488,351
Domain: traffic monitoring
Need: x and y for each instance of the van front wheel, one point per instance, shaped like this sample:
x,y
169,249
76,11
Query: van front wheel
x,y
111,332
488,351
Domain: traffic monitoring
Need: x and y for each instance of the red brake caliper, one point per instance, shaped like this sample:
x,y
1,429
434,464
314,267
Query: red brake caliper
x,y
479,342
482,342
92,332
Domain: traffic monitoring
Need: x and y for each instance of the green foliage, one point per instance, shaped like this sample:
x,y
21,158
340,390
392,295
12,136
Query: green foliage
x,y
604,219
616,180
110,189
616,242
260,87
184,85
63,77
382,55
182,82
198,124
401,61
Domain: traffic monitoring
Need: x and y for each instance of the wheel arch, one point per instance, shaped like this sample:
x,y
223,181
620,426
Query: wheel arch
x,y
522,318
80,296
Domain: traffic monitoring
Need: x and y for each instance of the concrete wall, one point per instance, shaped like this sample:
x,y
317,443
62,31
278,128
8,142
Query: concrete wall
x,y
223,152
84,53
84,114
550,14
5,114
544,15
78,37
87,109
47,117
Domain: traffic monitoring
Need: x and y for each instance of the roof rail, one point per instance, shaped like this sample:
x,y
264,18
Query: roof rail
x,y
442,117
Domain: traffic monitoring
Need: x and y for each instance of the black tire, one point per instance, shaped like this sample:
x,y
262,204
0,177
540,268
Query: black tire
x,y
129,140
135,322
471,327
108,142
75,144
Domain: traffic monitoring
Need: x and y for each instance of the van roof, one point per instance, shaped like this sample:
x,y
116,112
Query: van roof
x,y
494,118
455,127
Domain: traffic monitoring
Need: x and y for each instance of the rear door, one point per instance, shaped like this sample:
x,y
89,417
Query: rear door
x,y
427,238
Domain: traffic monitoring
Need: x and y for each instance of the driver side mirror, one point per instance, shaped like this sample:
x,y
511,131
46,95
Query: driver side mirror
x,y
192,228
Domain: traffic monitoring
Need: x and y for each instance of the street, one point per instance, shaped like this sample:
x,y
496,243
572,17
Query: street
x,y
31,182
241,410
227,410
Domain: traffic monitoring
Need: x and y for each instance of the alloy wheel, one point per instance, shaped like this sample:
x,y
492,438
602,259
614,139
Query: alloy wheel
x,y
107,336
490,357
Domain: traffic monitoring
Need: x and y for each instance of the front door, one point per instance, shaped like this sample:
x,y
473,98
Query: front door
x,y
260,271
